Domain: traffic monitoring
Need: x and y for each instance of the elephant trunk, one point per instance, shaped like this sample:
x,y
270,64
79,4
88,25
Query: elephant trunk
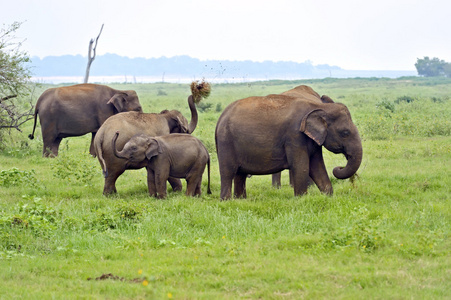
x,y
118,154
354,158
194,116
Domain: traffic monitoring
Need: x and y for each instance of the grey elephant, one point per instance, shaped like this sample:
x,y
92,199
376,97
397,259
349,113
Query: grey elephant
x,y
265,135
152,124
175,155
77,110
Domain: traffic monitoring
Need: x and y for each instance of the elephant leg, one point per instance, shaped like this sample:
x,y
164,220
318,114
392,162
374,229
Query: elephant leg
x,y
300,181
299,171
175,183
198,191
47,152
91,147
110,183
193,184
51,146
55,146
318,173
161,172
276,180
161,187
298,162
151,182
227,174
239,183
226,187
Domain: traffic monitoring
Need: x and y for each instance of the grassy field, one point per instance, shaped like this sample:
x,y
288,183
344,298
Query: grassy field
x,y
384,235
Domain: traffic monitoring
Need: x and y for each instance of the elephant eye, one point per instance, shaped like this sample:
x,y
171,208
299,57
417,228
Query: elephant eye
x,y
345,133
134,148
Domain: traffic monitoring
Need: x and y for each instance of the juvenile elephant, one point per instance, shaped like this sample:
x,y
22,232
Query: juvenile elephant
x,y
265,135
78,109
132,123
175,155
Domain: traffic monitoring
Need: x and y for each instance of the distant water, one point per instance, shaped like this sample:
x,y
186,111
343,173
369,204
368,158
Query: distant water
x,y
142,79
176,79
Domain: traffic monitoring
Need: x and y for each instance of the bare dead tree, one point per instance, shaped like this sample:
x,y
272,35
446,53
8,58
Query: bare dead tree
x,y
91,54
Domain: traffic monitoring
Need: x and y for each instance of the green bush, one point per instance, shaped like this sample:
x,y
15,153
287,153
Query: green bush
x,y
15,177
204,106
407,99
32,215
74,169
386,105
161,92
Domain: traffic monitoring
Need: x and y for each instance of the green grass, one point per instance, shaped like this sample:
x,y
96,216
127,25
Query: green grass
x,y
384,235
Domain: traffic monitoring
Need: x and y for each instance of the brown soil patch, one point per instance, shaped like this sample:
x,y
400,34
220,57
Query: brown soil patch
x,y
115,277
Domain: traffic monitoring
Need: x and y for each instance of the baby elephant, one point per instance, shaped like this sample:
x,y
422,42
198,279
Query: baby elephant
x,y
172,155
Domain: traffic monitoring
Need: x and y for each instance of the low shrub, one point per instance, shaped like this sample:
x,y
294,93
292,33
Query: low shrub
x,y
74,169
16,177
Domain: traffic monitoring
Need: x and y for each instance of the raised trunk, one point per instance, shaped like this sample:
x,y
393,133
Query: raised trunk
x,y
194,117
118,154
354,160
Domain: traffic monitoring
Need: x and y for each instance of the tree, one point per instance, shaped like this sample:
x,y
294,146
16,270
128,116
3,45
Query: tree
x,y
14,80
433,67
91,54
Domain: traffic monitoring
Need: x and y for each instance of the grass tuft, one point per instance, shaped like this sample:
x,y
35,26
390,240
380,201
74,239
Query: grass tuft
x,y
200,90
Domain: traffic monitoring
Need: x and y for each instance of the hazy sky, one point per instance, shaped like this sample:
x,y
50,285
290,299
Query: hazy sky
x,y
354,35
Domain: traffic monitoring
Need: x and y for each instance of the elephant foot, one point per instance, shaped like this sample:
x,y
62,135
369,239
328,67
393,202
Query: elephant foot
x,y
109,192
161,196
177,189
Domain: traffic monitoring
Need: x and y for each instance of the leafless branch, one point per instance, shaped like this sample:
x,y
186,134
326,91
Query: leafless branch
x,y
92,54
12,117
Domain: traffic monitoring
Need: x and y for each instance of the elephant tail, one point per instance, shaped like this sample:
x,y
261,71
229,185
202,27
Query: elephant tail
x,y
98,145
31,136
208,170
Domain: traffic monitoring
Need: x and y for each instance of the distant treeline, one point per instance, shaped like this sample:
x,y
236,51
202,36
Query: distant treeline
x,y
185,66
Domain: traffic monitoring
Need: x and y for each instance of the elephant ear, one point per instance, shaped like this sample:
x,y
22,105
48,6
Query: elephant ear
x,y
182,127
154,149
314,125
118,100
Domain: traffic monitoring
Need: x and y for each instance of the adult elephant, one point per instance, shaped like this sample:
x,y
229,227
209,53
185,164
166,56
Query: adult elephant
x,y
77,110
265,135
130,124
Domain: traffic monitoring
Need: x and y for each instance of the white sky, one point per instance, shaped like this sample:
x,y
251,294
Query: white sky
x,y
351,34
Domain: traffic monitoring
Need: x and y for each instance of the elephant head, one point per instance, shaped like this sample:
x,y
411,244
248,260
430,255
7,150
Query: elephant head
x,y
331,126
125,101
177,122
138,148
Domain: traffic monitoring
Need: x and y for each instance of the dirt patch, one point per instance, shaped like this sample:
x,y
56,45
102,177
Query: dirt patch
x,y
110,276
